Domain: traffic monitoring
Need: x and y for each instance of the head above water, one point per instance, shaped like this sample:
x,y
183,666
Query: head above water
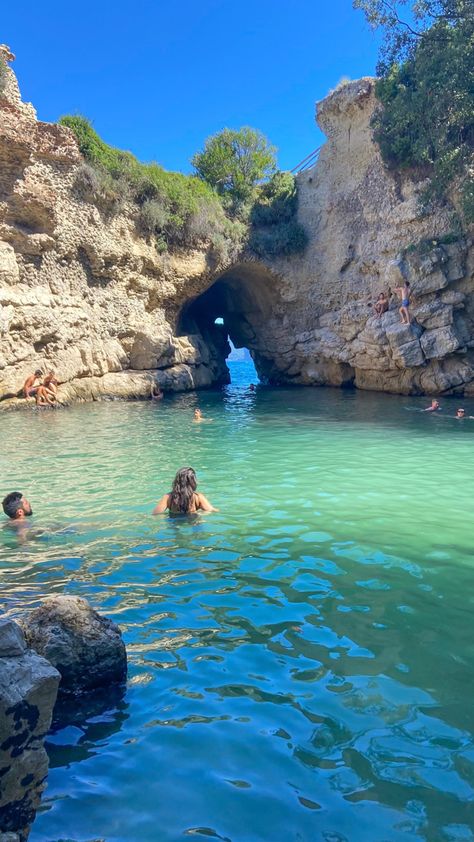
x,y
460,413
16,506
434,403
182,492
197,414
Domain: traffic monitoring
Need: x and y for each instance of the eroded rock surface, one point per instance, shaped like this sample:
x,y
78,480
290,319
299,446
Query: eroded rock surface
x,y
83,292
86,648
28,688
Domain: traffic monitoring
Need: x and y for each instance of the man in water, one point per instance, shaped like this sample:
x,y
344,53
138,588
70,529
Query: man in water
x,y
32,384
460,413
17,508
434,406
199,418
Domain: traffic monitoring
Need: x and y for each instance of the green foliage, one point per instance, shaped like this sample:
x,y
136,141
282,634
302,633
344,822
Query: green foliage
x,y
234,163
277,200
427,119
183,210
273,217
170,203
405,23
286,238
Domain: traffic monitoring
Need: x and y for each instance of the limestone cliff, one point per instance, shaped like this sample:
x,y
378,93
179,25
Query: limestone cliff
x,y
84,293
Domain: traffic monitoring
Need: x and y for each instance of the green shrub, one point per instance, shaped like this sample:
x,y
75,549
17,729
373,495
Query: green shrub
x,y
234,163
185,210
427,119
277,200
286,238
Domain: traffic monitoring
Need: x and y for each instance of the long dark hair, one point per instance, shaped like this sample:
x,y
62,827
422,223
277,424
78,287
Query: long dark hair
x,y
182,493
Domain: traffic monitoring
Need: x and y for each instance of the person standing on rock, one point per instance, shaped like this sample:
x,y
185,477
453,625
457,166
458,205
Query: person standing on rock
x,y
404,293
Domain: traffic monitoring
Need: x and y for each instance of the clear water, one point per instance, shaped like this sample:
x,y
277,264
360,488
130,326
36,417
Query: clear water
x,y
302,662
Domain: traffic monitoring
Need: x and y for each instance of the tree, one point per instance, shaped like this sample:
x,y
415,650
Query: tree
x,y
427,91
406,22
235,162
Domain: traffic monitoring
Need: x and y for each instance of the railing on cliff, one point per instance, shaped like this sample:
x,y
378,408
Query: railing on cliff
x,y
307,162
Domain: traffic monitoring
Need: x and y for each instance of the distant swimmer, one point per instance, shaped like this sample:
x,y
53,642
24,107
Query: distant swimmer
x,y
434,406
184,499
460,413
17,508
252,387
381,305
404,293
155,392
198,417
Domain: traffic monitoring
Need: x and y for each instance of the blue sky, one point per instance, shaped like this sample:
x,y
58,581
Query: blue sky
x,y
157,78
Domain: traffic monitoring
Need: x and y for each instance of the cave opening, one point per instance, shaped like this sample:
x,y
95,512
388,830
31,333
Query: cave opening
x,y
232,315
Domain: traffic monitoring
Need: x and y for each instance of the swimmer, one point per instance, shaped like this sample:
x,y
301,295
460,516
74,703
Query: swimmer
x,y
434,406
198,417
461,413
17,508
404,293
155,392
252,387
184,499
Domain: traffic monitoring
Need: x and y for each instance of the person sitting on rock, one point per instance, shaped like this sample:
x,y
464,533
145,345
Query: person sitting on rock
x,y
404,293
51,383
44,397
32,384
183,498
381,305
434,406
16,507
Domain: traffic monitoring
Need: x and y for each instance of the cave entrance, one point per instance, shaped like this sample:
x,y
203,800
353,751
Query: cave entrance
x,y
234,313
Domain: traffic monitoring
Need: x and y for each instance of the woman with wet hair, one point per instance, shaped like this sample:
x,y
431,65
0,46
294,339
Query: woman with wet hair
x,y
184,499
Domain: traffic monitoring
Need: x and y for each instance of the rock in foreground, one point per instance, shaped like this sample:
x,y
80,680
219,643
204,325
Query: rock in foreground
x,y
28,689
85,648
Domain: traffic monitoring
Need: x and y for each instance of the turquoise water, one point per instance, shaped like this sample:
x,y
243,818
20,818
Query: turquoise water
x,y
301,664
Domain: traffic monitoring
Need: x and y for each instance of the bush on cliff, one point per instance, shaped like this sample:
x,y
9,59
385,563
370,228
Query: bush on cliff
x,y
185,210
274,229
427,94
234,163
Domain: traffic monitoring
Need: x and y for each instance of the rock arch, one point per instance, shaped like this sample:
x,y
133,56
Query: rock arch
x,y
246,297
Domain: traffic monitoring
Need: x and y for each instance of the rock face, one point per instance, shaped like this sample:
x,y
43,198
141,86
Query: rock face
x,y
84,293
28,688
86,648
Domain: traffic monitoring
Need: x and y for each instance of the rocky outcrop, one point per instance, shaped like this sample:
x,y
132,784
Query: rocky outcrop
x,y
28,688
86,648
83,292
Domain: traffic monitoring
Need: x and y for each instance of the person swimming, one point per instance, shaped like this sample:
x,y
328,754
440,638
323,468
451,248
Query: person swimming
x,y
460,413
434,406
16,507
198,417
184,499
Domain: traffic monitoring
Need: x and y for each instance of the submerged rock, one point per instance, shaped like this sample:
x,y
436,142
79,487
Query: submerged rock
x,y
28,689
86,648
